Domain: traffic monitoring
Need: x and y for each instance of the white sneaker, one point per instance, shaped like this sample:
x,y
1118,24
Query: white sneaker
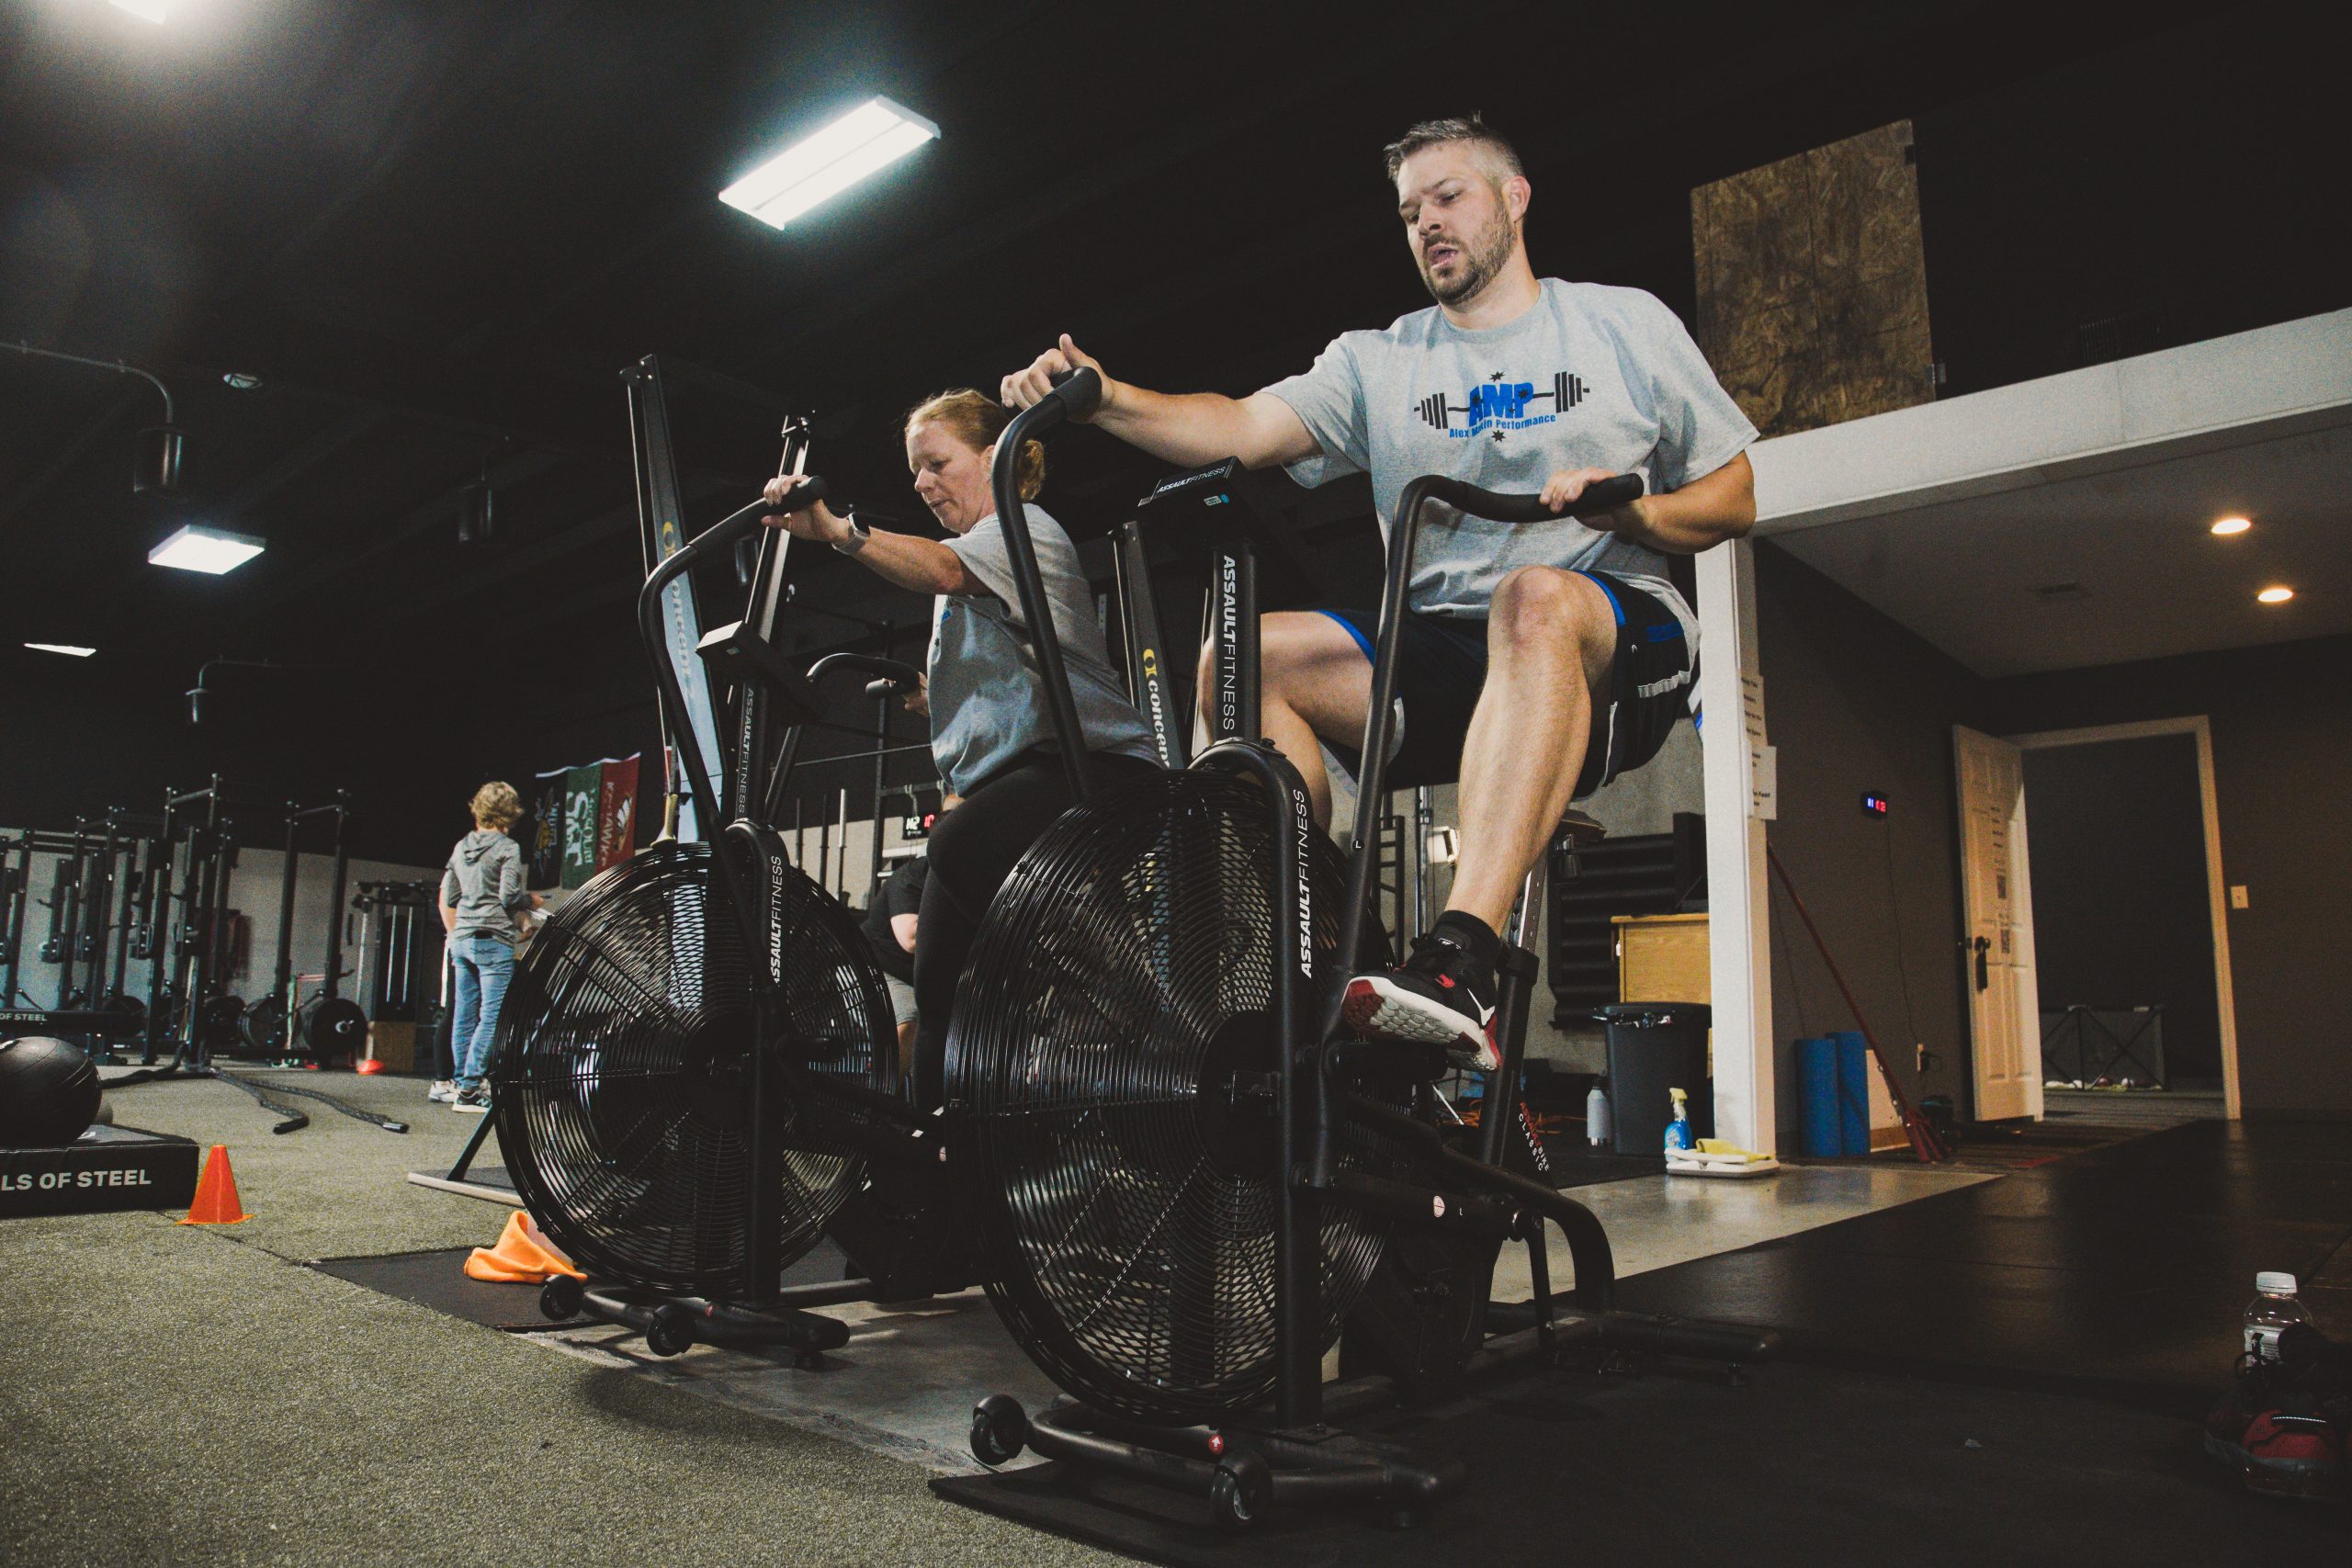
x,y
443,1091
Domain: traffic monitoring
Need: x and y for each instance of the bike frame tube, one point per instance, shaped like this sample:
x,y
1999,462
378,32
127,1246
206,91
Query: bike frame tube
x,y
1084,388
1148,686
738,850
753,715
1502,1105
1234,633
1301,1094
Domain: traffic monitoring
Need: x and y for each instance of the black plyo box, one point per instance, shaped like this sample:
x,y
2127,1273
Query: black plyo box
x,y
106,1167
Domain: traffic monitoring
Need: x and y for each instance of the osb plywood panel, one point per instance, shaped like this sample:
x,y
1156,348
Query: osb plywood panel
x,y
1812,284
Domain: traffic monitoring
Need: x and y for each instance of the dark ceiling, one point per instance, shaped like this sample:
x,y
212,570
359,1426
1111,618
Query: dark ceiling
x,y
436,231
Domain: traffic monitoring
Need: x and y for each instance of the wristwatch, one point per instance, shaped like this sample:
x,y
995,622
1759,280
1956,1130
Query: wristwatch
x,y
854,540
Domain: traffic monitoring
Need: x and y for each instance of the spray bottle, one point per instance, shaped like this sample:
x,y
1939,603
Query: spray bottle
x,y
1678,1132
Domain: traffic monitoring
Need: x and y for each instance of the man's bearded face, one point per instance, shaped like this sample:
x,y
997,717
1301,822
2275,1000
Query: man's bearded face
x,y
1457,220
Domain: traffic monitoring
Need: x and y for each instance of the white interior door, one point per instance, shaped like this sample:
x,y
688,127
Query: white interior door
x,y
2004,1014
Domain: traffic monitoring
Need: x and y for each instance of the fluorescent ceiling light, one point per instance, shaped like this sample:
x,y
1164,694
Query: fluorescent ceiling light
x,y
149,10
876,132
2275,596
197,548
65,647
2231,525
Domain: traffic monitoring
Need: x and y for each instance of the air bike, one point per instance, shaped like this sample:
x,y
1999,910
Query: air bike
x,y
698,1070
1185,1183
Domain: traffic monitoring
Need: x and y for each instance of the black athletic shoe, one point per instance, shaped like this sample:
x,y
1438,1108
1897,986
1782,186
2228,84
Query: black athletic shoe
x,y
1443,995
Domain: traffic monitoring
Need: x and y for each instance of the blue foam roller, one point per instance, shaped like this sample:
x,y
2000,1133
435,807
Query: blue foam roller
x,y
1854,1092
1817,1093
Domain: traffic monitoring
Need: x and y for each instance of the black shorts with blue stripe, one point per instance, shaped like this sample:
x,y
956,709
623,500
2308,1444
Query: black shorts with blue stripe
x,y
1441,667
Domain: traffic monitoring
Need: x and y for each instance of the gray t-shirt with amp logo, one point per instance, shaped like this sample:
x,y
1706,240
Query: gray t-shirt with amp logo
x,y
1590,377
988,696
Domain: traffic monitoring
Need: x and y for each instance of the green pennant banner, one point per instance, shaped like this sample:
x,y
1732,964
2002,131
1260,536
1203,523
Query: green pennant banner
x,y
582,791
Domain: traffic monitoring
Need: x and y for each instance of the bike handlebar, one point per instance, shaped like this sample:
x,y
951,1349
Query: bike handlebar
x,y
1602,495
896,675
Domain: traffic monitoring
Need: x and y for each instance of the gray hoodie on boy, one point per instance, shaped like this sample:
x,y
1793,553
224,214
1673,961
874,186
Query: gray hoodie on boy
x,y
484,885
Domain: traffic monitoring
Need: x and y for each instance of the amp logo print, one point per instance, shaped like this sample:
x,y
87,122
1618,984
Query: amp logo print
x,y
1496,405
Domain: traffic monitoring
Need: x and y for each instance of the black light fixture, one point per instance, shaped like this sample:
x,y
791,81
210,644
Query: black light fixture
x,y
475,513
158,466
161,446
476,503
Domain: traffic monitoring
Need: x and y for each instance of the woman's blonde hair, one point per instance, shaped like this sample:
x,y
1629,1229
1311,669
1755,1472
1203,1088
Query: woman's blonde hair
x,y
977,420
496,805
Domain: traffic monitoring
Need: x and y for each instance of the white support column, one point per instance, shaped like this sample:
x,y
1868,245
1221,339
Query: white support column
x,y
1731,696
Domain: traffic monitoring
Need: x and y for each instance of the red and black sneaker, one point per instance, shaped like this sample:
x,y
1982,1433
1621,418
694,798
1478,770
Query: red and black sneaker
x,y
2283,1427
1443,995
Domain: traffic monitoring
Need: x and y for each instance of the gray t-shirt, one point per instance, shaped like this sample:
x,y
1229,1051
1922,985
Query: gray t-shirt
x,y
988,702
1590,377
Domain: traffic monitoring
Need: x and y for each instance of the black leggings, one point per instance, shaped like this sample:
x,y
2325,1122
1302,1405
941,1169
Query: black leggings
x,y
973,850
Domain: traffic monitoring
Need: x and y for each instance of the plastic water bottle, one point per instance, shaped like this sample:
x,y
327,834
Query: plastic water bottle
x,y
1678,1132
1596,1117
2267,1317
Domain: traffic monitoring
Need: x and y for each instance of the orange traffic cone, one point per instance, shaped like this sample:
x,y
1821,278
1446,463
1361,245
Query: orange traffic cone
x,y
216,1193
523,1256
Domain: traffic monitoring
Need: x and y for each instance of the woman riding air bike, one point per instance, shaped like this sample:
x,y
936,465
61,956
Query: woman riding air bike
x,y
991,735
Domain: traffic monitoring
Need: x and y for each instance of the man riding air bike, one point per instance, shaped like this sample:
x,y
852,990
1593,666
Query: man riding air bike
x,y
1537,661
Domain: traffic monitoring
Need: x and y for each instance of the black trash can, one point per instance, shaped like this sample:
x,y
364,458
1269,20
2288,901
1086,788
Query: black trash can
x,y
1655,1047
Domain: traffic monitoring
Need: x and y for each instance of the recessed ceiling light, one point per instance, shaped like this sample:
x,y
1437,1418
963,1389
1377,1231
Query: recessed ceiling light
x,y
65,647
808,172
2231,525
2275,596
198,548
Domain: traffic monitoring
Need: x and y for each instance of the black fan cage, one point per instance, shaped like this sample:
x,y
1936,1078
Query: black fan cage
x,y
623,1085
1114,1085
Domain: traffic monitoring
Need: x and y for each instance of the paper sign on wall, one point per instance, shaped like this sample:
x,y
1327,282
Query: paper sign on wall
x,y
1763,760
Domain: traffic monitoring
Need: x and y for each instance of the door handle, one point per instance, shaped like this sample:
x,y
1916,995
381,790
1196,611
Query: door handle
x,y
1983,974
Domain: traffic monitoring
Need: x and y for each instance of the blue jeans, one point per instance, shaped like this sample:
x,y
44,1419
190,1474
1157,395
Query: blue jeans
x,y
484,965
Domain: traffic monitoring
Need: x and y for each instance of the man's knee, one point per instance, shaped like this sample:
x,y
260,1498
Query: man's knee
x,y
1544,604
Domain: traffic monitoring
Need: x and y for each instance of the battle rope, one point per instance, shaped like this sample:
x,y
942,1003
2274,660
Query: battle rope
x,y
329,1101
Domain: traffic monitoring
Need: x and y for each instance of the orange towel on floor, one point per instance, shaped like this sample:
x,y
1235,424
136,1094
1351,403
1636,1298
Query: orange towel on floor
x,y
523,1256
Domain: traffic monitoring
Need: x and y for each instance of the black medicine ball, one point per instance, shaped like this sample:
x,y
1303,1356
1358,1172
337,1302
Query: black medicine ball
x,y
49,1091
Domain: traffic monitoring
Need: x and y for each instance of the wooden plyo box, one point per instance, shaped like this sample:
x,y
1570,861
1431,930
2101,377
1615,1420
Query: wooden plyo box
x,y
394,1044
1662,958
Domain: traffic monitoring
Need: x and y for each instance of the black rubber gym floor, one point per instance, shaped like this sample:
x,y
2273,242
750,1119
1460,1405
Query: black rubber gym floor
x,y
438,1280
2121,1270
1804,1465
2008,1372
